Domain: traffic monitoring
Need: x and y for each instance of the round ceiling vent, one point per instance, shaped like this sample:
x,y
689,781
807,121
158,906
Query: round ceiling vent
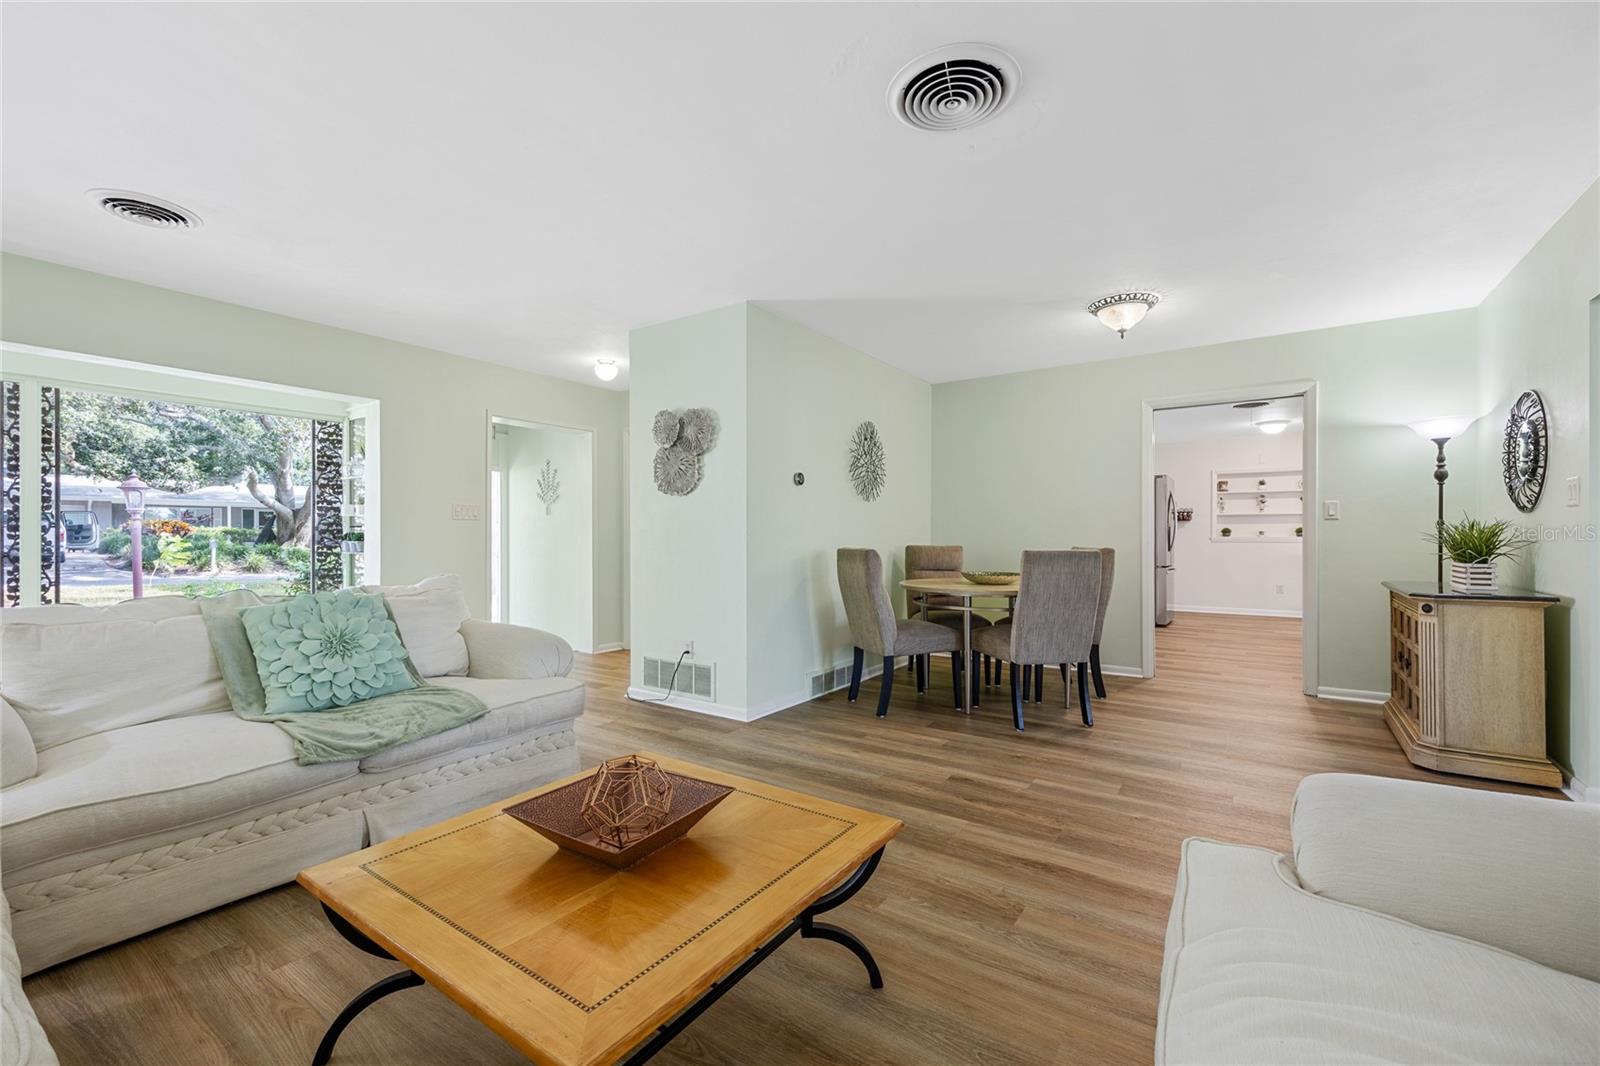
x,y
954,87
145,210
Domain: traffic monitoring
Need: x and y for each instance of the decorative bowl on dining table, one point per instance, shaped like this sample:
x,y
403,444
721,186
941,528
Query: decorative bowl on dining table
x,y
990,577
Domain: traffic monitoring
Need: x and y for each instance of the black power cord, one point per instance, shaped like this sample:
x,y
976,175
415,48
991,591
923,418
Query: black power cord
x,y
671,681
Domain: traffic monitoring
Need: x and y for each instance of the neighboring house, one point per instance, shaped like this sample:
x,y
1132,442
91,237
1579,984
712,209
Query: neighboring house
x,y
213,505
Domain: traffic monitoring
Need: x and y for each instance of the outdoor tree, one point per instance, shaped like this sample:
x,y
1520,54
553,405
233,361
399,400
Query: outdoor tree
x,y
179,448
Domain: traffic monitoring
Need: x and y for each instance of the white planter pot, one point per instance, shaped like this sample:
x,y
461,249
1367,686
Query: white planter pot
x,y
1473,577
353,547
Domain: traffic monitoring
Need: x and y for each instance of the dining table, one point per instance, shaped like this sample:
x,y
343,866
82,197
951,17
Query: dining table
x,y
959,588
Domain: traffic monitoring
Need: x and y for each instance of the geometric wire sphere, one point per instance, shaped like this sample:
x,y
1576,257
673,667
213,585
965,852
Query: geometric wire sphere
x,y
627,800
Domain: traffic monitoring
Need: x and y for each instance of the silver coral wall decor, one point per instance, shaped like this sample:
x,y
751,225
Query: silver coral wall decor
x,y
868,471
549,486
683,438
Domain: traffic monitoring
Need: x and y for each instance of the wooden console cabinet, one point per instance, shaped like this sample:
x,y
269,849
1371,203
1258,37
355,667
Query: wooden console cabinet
x,y
1467,684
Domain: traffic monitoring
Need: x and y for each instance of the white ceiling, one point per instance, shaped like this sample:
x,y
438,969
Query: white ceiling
x,y
525,183
1180,425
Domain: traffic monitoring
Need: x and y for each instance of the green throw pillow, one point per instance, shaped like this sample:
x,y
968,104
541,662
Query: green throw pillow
x,y
326,649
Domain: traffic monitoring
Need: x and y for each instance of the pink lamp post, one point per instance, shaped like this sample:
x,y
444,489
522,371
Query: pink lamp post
x,y
133,491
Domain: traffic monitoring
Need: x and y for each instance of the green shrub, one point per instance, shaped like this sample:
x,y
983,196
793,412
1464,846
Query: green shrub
x,y
255,563
298,561
296,555
115,542
272,551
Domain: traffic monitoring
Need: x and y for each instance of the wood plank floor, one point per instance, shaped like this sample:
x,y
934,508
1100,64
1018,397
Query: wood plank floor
x,y
1018,919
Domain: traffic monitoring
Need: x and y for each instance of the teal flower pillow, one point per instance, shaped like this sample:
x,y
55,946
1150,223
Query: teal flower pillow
x,y
326,649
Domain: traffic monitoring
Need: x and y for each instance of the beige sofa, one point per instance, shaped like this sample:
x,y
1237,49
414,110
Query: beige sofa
x,y
1413,923
133,796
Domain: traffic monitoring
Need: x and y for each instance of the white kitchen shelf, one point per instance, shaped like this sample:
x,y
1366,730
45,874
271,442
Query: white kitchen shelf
x,y
1235,495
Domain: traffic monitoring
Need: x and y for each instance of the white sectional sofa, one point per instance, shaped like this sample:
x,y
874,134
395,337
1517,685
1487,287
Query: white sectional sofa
x,y
1413,923
133,796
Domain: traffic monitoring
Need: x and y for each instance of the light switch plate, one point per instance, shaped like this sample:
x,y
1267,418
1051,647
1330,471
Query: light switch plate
x,y
1330,510
466,512
1574,492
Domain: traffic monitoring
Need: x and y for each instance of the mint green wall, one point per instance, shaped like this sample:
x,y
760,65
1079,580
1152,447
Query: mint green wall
x,y
744,566
435,406
1533,333
808,392
688,563
1051,458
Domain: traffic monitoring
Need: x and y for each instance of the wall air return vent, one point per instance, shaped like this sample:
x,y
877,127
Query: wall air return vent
x,y
693,679
954,88
145,210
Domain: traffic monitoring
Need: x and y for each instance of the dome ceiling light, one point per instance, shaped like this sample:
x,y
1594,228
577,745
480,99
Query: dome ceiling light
x,y
1123,310
605,369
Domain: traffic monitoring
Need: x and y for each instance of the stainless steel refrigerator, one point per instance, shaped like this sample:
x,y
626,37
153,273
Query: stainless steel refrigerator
x,y
1166,534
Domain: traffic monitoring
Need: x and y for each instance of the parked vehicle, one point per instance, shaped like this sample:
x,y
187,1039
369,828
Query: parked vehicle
x,y
80,530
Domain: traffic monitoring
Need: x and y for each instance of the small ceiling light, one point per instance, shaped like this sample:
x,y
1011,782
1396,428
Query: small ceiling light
x,y
605,369
1124,310
1269,422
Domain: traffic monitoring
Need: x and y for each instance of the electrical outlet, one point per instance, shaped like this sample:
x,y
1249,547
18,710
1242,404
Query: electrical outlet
x,y
1574,492
466,512
1330,510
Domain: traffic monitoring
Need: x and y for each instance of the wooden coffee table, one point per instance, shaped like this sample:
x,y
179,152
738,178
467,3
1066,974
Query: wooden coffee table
x,y
572,962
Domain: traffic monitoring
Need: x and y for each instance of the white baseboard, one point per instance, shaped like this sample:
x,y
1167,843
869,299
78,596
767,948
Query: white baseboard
x,y
688,703
1578,792
603,648
1121,671
1352,695
1237,610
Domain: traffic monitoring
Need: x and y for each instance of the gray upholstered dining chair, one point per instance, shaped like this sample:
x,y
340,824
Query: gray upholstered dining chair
x,y
875,629
1108,570
1053,621
941,561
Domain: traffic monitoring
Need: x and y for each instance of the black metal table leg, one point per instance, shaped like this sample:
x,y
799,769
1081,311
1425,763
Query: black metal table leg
x,y
806,926
393,983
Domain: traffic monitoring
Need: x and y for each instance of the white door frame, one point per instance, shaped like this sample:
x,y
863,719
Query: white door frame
x,y
1305,389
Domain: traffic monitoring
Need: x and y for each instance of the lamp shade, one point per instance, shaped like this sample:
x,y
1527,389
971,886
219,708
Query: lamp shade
x,y
1442,428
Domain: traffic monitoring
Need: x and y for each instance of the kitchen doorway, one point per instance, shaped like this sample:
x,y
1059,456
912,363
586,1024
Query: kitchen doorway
x,y
1229,547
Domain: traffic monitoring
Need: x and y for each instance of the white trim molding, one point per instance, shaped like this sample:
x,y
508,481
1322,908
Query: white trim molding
x,y
1352,695
601,649
1235,610
1578,792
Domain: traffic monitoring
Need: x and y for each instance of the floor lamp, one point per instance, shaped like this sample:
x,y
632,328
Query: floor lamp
x,y
1440,431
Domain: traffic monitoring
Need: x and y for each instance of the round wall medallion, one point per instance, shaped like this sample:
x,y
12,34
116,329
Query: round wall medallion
x,y
1524,454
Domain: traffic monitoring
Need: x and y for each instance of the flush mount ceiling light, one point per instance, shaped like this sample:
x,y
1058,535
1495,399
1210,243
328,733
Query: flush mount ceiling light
x,y
954,87
1123,310
605,369
145,210
1270,423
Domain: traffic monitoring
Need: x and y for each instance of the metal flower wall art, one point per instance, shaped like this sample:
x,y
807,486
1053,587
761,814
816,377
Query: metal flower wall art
x,y
682,438
549,486
868,472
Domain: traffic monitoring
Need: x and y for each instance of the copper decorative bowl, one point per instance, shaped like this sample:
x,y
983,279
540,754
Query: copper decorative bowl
x,y
557,816
990,577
